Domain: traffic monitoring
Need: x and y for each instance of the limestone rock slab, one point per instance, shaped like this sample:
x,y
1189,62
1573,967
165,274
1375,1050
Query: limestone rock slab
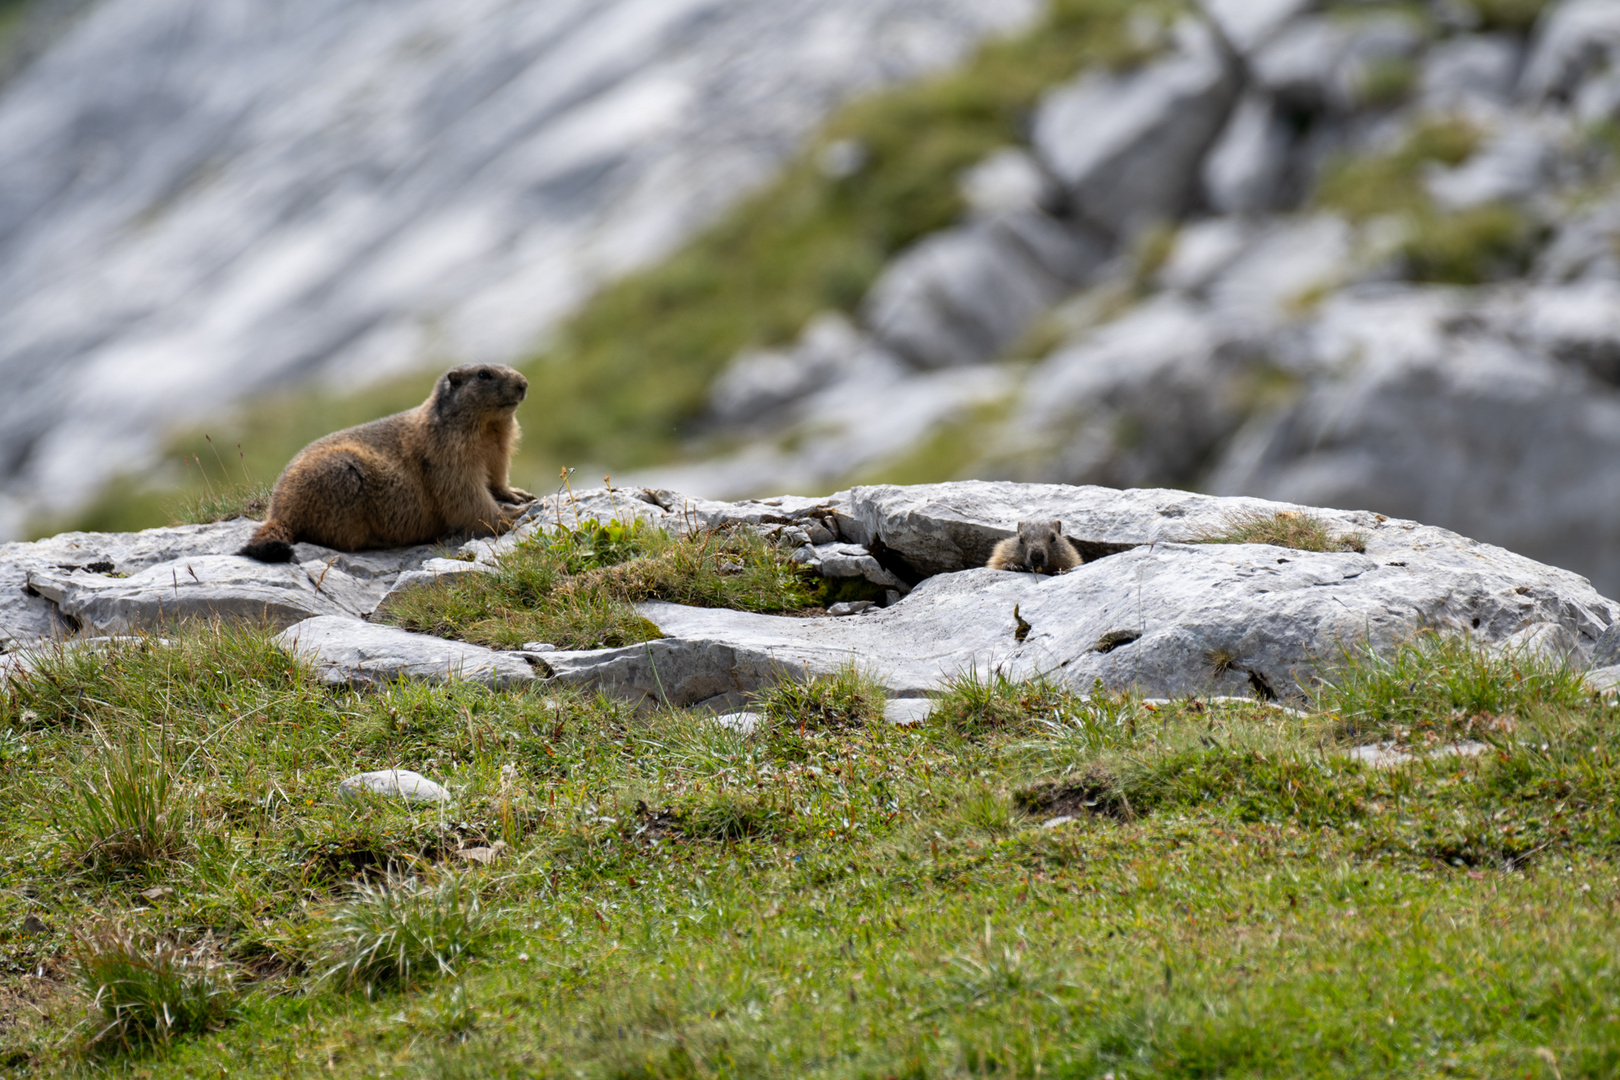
x,y
960,296
1168,618
939,528
1127,146
347,651
206,586
111,582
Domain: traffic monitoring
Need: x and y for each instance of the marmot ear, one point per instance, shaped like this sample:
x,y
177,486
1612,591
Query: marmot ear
x,y
1057,527
455,377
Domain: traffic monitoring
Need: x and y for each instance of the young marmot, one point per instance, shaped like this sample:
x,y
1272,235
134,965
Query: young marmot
x,y
1039,546
411,478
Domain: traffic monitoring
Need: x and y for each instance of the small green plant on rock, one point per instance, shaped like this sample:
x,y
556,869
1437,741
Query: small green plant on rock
x,y
1284,528
223,504
577,588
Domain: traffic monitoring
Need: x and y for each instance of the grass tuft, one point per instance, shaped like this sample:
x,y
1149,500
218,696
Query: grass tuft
x,y
848,699
121,810
1446,686
222,504
1284,528
149,992
400,932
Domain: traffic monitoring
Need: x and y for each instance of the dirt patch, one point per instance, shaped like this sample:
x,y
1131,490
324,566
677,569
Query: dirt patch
x,y
1095,792
347,859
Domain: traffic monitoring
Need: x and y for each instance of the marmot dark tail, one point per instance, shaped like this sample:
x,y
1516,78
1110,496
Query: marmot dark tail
x,y
272,543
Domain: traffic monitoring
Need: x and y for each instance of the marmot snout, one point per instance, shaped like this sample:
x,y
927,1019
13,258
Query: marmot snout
x,y
411,478
1039,546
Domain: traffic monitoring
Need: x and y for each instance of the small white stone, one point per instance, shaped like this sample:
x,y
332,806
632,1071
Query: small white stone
x,y
743,723
850,607
408,785
907,712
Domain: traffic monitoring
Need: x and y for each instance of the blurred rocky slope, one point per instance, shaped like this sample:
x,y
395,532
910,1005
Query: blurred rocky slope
x,y
1344,254
204,199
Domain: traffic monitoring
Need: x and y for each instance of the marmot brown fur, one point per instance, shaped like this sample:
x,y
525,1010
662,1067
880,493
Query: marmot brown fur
x,y
411,478
1039,546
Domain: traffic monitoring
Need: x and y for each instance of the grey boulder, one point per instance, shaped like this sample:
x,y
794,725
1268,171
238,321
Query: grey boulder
x,y
1423,415
114,582
349,652
1576,39
1247,169
1248,24
962,295
1167,619
1127,146
1323,62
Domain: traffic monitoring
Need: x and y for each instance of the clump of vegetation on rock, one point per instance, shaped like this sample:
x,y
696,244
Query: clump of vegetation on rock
x,y
1284,528
1458,247
223,504
577,588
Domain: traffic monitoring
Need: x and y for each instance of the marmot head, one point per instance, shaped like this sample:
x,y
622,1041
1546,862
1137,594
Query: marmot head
x,y
1037,543
478,389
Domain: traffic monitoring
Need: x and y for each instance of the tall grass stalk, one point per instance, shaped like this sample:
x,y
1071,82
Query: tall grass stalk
x,y
121,810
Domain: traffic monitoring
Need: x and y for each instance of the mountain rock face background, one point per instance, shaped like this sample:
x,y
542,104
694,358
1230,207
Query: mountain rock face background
x,y
204,199
1327,252
1341,254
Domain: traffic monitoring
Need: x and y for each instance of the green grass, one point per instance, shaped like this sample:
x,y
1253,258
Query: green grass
x,y
630,372
577,588
398,931
1284,528
830,896
1518,16
147,992
120,810
1464,247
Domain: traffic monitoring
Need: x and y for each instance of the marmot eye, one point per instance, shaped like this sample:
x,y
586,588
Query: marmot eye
x,y
483,375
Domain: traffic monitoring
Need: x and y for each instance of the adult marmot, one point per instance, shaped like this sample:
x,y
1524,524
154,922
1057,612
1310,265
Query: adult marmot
x,y
411,478
1039,546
